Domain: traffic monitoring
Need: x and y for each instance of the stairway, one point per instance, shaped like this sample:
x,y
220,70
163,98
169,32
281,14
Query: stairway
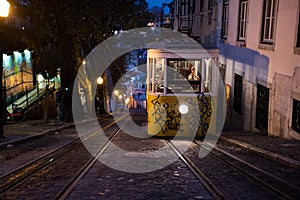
x,y
28,100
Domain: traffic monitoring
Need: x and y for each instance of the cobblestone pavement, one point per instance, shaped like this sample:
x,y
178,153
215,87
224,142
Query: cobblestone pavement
x,y
288,150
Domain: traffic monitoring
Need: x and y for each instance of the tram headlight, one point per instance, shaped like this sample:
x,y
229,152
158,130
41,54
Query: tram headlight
x,y
183,109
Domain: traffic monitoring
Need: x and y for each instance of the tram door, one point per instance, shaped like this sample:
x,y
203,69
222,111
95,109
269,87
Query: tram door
x,y
262,108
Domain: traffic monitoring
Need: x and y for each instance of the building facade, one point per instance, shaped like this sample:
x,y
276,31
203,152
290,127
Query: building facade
x,y
259,59
260,51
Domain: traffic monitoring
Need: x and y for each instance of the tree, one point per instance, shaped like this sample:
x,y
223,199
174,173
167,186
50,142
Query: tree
x,y
69,29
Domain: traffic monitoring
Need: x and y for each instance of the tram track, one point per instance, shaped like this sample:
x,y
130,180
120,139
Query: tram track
x,y
35,173
63,194
279,182
217,171
212,189
221,172
277,186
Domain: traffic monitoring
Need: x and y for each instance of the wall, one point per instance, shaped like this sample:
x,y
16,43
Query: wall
x,y
285,88
253,67
274,68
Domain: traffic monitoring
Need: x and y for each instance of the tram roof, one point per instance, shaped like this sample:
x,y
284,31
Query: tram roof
x,y
183,53
174,42
182,47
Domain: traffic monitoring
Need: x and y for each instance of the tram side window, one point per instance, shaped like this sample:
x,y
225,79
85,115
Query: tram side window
x,y
150,72
158,76
184,76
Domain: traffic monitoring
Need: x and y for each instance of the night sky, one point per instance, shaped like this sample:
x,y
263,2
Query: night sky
x,y
156,2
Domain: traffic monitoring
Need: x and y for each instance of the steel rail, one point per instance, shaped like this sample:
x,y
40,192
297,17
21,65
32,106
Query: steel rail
x,y
257,179
211,188
64,193
21,174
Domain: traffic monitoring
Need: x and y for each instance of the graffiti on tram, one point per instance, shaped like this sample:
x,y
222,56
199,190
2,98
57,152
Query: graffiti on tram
x,y
165,115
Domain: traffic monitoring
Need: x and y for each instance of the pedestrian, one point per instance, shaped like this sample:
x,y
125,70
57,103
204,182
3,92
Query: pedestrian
x,y
59,104
97,105
67,101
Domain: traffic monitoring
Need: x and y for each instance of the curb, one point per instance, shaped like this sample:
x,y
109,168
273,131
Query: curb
x,y
262,152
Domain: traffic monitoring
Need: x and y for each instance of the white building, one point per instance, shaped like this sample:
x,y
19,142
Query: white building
x,y
259,43
261,54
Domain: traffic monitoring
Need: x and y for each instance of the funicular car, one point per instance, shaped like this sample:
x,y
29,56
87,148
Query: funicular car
x,y
179,98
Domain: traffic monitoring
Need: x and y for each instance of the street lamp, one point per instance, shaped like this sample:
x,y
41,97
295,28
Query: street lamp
x,y
4,10
100,80
100,95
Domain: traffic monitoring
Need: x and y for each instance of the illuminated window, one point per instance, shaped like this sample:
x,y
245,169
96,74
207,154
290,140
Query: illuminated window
x,y
225,19
243,15
150,73
296,116
184,76
269,21
156,75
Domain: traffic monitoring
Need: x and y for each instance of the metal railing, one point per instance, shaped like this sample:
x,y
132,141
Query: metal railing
x,y
31,97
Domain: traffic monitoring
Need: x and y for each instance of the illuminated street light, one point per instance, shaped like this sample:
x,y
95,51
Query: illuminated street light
x,y
4,11
4,8
150,24
100,80
100,94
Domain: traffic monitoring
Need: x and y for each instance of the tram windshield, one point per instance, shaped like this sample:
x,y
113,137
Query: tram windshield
x,y
175,75
183,76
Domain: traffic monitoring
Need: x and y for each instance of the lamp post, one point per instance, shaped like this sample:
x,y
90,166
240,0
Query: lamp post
x,y
4,10
100,94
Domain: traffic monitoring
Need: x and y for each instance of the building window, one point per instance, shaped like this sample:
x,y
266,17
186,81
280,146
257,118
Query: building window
x,y
238,91
201,6
225,19
210,4
183,7
296,116
298,35
269,21
243,15
194,3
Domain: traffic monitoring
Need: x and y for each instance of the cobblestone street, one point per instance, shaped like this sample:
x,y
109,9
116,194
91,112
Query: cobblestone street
x,y
174,181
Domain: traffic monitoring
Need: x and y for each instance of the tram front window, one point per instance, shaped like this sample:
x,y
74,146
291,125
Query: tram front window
x,y
184,76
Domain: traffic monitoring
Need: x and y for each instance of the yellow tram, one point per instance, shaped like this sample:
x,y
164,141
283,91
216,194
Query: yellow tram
x,y
179,98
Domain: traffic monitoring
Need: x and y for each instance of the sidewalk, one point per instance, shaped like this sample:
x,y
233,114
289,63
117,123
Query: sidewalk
x,y
280,149
285,150
21,131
